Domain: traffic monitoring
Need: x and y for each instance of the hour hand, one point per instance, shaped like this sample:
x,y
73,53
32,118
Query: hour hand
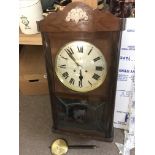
x,y
80,77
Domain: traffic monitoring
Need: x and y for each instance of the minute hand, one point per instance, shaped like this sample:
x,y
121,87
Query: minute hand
x,y
71,56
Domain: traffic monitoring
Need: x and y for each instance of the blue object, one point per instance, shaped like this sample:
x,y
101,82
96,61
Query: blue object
x,y
47,4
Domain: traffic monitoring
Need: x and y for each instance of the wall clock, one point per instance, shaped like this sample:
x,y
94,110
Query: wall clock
x,y
81,48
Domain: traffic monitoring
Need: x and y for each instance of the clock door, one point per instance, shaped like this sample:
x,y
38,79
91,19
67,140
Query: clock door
x,y
82,60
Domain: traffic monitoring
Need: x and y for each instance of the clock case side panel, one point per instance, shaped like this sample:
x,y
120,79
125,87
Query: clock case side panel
x,y
50,76
116,39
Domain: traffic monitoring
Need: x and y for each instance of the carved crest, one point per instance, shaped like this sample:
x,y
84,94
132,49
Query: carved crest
x,y
76,15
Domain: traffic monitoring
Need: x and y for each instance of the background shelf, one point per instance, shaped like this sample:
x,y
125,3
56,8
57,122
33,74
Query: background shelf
x,y
34,39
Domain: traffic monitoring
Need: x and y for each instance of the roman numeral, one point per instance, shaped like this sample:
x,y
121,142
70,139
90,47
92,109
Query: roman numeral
x,y
90,50
69,51
62,66
80,84
99,68
80,49
96,59
72,81
65,75
63,57
95,76
90,83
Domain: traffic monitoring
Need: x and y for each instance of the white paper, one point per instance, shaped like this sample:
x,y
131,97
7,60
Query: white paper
x,y
126,72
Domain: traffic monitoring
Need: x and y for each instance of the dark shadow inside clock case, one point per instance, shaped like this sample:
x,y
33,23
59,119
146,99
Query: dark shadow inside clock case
x,y
80,114
89,114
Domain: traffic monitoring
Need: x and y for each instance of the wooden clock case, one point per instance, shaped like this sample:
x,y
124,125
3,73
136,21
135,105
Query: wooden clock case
x,y
89,114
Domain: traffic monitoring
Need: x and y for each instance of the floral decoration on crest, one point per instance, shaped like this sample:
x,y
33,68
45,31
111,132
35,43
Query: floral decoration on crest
x,y
76,15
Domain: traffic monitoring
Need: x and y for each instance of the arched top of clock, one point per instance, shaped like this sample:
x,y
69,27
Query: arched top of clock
x,y
90,21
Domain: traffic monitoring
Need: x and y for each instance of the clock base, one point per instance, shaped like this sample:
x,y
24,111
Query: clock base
x,y
107,138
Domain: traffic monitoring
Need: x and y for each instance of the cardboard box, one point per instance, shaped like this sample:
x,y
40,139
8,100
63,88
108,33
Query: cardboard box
x,y
32,72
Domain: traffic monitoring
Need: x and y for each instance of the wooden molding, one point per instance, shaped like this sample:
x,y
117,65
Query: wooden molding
x,y
97,21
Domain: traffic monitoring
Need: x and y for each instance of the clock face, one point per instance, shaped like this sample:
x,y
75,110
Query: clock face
x,y
80,66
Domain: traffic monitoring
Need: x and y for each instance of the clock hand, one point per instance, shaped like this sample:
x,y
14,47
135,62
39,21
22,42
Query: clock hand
x,y
71,56
80,77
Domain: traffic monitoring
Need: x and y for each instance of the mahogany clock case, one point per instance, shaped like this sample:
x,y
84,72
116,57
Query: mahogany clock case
x,y
89,114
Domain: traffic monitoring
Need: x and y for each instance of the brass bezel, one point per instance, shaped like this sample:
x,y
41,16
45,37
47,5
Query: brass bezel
x,y
67,85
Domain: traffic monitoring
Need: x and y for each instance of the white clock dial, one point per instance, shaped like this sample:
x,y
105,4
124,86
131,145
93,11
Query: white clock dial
x,y
80,66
